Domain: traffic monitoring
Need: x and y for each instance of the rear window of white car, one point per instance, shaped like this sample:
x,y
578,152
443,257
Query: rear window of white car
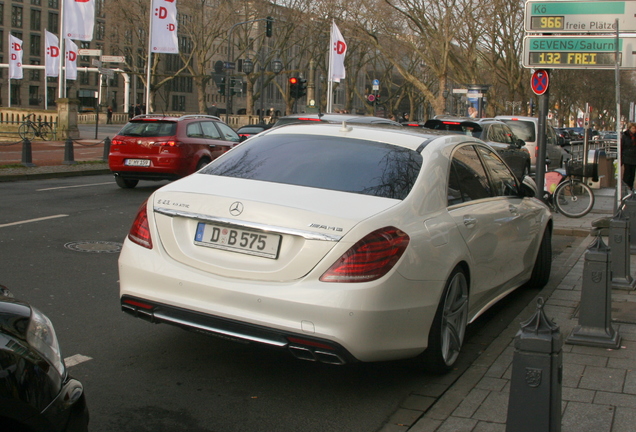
x,y
346,165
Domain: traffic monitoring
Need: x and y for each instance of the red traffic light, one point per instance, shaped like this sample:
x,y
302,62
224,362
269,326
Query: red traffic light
x,y
293,80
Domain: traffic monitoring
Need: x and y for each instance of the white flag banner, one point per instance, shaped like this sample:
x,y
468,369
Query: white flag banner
x,y
52,61
164,27
15,57
79,19
337,51
71,59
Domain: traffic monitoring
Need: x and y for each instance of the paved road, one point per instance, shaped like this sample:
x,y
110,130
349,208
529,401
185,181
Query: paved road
x,y
55,237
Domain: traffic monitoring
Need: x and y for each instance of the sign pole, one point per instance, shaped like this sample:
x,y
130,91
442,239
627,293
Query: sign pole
x,y
619,167
542,125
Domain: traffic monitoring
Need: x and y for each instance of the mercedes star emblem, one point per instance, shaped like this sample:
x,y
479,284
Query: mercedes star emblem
x,y
236,208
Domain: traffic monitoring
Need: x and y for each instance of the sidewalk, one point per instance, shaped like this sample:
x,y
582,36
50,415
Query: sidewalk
x,y
599,385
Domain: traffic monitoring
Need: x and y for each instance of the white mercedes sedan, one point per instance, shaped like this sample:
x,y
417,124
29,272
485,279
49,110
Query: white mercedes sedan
x,y
339,243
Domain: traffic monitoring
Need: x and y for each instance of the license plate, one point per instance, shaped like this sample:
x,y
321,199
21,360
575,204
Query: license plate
x,y
137,162
238,240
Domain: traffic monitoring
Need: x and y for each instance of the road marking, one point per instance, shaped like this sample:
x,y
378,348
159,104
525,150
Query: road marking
x,y
76,186
33,220
76,359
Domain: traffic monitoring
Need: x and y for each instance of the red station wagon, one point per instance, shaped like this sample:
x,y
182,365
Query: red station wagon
x,y
156,147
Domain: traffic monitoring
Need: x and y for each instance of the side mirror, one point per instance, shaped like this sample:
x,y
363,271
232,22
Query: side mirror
x,y
529,187
521,143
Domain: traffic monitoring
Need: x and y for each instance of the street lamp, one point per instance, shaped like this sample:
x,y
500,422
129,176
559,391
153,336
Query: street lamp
x,y
513,104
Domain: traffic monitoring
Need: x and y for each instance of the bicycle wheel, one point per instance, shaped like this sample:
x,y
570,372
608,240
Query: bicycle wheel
x,y
26,131
573,198
45,131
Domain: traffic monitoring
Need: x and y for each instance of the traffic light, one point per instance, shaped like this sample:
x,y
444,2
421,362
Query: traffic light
x,y
302,88
268,26
221,86
294,86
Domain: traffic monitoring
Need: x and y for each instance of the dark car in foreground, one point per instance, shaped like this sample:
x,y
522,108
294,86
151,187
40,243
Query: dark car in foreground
x,y
36,392
157,147
334,118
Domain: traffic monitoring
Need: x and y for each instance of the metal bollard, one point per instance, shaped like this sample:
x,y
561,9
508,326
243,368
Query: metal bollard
x,y
106,149
619,244
69,158
27,153
595,311
534,403
630,212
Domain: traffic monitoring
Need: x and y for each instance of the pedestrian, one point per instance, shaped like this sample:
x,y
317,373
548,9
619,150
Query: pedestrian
x,y
109,115
405,118
137,109
628,154
131,112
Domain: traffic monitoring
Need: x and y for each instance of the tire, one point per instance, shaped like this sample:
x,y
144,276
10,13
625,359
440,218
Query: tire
x,y
45,132
26,131
543,263
447,333
573,198
202,163
125,183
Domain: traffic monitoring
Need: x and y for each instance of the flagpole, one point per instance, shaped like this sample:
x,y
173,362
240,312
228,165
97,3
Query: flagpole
x,y
61,80
148,73
9,74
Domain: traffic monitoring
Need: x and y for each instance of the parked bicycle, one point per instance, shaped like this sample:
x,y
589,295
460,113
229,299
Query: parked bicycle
x,y
30,129
567,193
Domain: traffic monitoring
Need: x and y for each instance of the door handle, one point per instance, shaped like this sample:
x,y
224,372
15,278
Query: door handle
x,y
470,221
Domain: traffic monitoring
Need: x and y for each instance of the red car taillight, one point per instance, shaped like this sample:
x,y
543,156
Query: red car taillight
x,y
140,232
116,142
171,143
370,258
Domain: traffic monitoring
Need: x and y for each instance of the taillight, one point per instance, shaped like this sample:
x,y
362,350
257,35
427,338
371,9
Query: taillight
x,y
370,258
115,142
171,143
140,232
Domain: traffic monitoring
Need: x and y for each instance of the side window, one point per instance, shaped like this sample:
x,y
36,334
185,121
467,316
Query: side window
x,y
193,130
468,180
509,136
498,134
504,182
228,132
210,131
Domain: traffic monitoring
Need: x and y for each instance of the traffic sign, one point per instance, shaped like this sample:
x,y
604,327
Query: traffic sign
x,y
371,98
108,72
578,52
540,81
89,52
112,59
579,16
230,65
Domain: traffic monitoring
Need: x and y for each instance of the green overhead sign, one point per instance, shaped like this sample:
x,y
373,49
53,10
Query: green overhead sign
x,y
579,16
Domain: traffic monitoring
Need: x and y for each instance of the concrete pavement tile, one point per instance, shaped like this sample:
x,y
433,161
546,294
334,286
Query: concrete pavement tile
x,y
566,295
493,352
394,428
501,365
471,403
584,359
494,408
602,352
417,402
564,303
577,395
615,399
404,417
604,379
489,427
624,420
433,390
425,424
572,374
492,384
455,424
630,382
456,394
626,363
582,417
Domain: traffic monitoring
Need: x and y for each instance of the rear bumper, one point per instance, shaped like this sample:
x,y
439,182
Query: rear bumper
x,y
138,175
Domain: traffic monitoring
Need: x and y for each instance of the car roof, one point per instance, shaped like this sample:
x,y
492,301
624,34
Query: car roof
x,y
333,117
164,117
411,138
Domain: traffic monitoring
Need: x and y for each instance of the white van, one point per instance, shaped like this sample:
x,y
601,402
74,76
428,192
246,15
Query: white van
x,y
526,128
